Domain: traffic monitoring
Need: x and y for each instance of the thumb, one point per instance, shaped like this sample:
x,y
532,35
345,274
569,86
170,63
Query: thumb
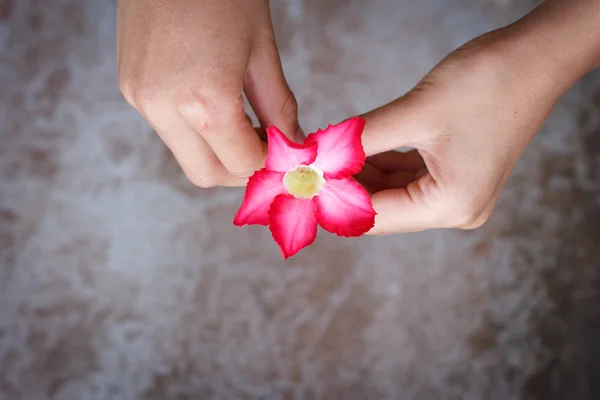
x,y
401,123
269,93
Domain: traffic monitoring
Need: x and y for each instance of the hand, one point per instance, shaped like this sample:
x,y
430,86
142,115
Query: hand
x,y
184,65
469,119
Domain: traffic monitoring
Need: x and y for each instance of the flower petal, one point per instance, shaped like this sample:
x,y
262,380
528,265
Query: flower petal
x,y
293,223
284,155
344,208
262,188
341,153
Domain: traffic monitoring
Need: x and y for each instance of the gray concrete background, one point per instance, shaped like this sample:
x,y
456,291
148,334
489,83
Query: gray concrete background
x,y
120,280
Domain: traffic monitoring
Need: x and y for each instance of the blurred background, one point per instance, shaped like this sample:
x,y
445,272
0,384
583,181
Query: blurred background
x,y
120,280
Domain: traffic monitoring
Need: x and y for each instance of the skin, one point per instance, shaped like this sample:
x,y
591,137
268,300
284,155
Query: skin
x,y
471,118
184,65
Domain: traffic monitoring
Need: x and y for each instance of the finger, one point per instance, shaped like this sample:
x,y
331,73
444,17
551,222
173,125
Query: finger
x,y
414,208
371,177
249,118
262,134
269,93
378,180
224,126
390,161
399,179
197,160
370,189
401,123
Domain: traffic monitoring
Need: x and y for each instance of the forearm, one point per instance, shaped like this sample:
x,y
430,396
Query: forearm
x,y
561,39
573,31
545,53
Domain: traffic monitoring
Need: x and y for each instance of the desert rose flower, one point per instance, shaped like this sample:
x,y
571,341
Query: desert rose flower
x,y
303,185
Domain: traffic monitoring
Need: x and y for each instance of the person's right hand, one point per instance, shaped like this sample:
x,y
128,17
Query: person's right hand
x,y
471,118
184,65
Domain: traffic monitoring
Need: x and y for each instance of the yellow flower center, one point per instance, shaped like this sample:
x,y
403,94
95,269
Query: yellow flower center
x,y
303,182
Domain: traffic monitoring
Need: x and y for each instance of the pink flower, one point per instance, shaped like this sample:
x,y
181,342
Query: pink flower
x,y
305,184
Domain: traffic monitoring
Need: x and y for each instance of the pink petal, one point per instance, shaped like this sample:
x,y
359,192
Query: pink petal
x,y
284,155
344,208
262,188
341,153
293,223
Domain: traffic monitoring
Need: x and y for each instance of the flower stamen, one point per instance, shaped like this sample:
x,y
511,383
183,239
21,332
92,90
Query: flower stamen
x,y
304,181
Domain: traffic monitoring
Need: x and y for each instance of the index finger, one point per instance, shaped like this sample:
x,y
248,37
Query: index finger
x,y
401,123
227,130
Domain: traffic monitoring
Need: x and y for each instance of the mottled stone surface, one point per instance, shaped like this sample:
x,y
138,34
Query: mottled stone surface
x,y
120,280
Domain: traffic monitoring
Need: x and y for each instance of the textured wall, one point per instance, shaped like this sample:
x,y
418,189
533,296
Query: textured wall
x,y
119,280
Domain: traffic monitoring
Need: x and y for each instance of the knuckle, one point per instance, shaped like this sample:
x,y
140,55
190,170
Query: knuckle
x,y
127,91
480,220
207,174
466,213
242,171
231,106
147,100
477,223
204,181
209,109
142,96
